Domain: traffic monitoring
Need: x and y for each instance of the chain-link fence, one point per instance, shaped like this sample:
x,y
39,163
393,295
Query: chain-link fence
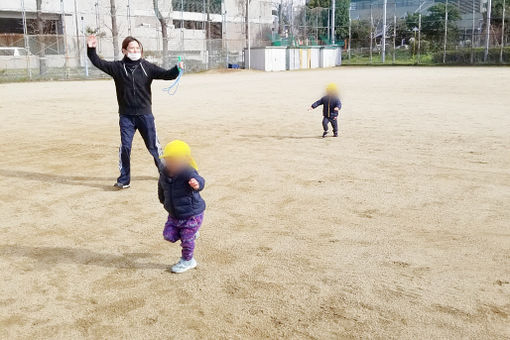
x,y
45,39
50,43
421,32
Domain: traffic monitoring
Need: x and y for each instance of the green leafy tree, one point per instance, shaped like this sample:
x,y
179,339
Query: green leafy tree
x,y
341,16
433,24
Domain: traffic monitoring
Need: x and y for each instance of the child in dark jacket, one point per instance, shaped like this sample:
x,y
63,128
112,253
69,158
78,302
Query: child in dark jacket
x,y
331,105
178,189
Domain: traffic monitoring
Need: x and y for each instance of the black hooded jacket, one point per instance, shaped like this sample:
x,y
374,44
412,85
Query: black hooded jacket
x,y
133,81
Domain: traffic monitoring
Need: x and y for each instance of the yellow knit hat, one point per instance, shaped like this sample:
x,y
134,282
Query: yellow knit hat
x,y
179,149
332,88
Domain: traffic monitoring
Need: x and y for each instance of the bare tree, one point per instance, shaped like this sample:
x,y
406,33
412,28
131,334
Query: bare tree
x,y
40,39
164,29
115,30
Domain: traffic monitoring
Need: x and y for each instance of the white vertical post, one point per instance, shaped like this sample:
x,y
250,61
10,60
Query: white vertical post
x,y
182,27
129,16
371,32
472,57
84,48
77,29
333,5
394,31
383,41
350,34
419,36
25,36
502,34
445,31
249,33
64,32
488,36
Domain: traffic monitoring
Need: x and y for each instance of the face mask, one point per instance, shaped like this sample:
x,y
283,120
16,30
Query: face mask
x,y
134,56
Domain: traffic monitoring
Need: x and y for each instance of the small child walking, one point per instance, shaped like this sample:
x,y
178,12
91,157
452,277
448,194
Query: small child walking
x,y
178,189
331,106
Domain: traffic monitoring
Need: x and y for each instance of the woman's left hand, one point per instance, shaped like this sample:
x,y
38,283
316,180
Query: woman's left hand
x,y
180,65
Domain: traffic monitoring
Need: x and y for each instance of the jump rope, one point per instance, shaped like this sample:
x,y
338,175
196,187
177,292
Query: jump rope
x,y
172,89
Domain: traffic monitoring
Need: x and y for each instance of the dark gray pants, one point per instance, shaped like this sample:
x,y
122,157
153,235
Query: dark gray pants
x,y
334,124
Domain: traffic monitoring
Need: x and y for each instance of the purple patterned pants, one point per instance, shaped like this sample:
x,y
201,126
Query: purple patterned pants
x,y
185,231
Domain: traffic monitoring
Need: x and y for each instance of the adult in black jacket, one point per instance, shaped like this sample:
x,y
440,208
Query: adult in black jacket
x,y
133,78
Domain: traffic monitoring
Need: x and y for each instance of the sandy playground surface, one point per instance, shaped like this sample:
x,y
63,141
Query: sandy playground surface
x,y
398,229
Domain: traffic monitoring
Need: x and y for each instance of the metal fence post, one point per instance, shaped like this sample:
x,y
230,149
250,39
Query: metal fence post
x,y
25,38
384,32
84,48
488,36
445,31
502,34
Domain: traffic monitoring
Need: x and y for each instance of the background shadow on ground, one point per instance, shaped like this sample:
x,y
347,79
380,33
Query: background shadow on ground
x,y
70,180
81,256
281,137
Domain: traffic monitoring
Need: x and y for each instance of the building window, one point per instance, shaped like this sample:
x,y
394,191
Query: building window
x,y
197,6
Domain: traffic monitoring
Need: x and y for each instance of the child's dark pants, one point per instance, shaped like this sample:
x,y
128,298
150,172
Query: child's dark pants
x,y
185,231
334,124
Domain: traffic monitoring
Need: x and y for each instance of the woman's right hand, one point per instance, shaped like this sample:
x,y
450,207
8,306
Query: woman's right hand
x,y
91,41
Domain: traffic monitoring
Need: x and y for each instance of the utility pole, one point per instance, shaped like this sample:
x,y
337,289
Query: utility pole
x,y
333,5
25,36
502,34
488,36
445,31
383,40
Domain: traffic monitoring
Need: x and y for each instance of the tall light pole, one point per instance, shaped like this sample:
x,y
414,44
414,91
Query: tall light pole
x,y
333,5
488,36
384,32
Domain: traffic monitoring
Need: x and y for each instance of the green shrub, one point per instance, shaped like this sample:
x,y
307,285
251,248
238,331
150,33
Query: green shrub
x,y
463,56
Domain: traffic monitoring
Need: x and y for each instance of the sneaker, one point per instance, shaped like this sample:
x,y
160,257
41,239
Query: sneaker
x,y
335,135
120,186
324,134
183,265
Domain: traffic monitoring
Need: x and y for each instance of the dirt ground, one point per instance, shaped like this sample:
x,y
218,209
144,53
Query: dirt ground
x,y
397,229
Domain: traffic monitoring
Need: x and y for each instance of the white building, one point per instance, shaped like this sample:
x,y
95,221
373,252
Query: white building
x,y
201,30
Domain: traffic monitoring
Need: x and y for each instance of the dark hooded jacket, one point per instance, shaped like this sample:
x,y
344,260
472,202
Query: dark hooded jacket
x,y
178,197
329,103
133,81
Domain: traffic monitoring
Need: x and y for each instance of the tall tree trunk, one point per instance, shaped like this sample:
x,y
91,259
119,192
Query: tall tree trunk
x,y
115,30
164,31
40,40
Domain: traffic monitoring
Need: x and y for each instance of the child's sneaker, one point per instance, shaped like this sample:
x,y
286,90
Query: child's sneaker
x,y
324,134
183,265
